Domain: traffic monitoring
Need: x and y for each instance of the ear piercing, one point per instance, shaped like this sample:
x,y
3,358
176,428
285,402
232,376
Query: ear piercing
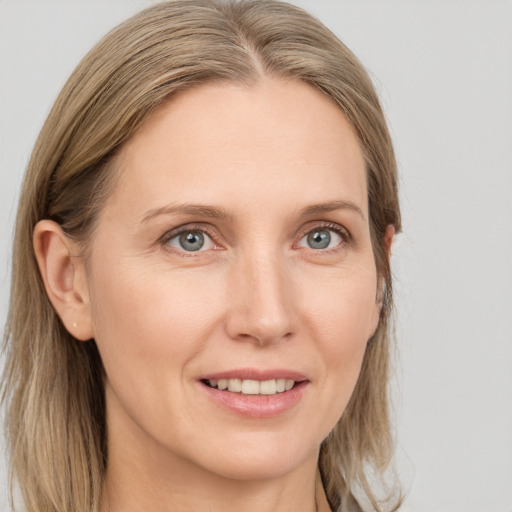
x,y
75,325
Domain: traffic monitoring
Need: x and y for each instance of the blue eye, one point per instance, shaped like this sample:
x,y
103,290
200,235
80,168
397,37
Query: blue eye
x,y
191,240
321,238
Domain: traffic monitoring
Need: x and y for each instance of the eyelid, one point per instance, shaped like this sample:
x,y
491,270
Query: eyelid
x,y
203,228
331,226
213,235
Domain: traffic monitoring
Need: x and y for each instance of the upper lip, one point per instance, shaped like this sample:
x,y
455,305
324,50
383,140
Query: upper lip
x,y
256,374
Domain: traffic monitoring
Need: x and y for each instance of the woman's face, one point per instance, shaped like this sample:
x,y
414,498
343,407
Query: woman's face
x,y
235,250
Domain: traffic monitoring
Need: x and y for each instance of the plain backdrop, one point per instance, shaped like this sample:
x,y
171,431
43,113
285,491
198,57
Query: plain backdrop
x,y
444,72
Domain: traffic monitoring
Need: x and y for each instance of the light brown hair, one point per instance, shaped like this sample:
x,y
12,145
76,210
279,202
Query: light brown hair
x,y
53,384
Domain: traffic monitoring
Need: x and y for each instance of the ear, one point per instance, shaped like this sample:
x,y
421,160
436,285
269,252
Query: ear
x,y
64,277
387,242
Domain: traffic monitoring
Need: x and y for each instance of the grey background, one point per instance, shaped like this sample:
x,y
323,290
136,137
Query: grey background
x,y
443,70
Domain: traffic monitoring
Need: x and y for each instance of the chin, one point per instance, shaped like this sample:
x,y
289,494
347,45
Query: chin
x,y
261,458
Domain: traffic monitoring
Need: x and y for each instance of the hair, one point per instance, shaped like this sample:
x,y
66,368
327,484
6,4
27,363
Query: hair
x,y
53,385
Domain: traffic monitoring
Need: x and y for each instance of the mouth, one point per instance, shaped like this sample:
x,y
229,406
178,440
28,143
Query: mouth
x,y
251,387
256,393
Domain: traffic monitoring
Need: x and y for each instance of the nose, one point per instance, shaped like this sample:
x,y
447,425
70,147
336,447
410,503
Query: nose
x,y
261,300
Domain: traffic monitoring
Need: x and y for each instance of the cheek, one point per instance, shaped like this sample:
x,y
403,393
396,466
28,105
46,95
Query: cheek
x,y
339,314
341,305
149,325
145,317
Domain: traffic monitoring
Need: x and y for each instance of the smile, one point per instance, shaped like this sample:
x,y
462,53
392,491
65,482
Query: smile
x,y
252,387
255,393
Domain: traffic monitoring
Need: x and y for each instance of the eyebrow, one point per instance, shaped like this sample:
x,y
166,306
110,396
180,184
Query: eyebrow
x,y
215,212
330,207
210,212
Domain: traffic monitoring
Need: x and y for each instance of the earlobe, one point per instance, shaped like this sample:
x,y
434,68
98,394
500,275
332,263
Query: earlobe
x,y
63,274
387,242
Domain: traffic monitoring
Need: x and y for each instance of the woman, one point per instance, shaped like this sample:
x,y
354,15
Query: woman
x,y
202,254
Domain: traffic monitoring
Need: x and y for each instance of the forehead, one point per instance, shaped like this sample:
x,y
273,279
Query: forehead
x,y
274,140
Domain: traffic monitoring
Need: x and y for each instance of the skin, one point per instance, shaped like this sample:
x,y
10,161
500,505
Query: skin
x,y
256,295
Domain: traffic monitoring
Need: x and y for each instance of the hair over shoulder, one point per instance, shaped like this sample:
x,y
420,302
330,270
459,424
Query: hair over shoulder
x,y
53,384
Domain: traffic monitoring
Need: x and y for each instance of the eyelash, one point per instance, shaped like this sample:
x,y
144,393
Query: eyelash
x,y
343,233
174,233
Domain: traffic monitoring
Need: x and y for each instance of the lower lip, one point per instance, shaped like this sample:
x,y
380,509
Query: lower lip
x,y
257,406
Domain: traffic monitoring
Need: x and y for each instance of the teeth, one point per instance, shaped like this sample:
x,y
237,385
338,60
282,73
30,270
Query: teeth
x,y
253,387
250,387
235,385
268,387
